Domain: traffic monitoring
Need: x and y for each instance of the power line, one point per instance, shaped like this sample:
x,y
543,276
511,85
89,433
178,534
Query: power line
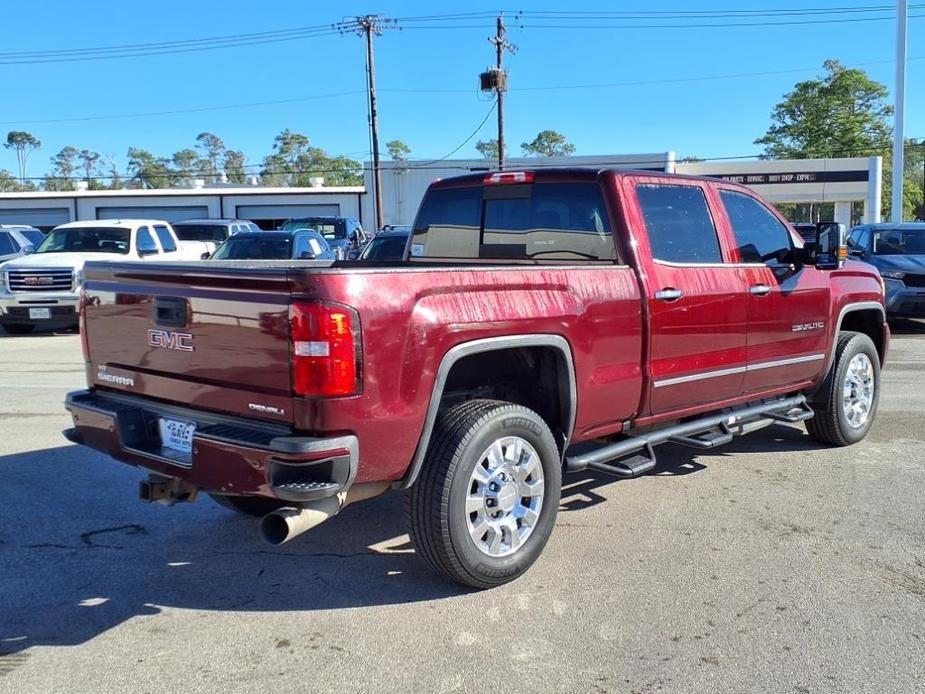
x,y
402,90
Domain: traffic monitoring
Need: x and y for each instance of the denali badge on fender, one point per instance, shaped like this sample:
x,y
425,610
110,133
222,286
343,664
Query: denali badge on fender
x,y
167,339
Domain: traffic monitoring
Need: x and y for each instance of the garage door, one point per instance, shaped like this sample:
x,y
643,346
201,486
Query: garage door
x,y
42,217
271,216
168,214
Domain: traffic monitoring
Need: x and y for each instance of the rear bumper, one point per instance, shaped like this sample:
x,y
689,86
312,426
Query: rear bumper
x,y
229,455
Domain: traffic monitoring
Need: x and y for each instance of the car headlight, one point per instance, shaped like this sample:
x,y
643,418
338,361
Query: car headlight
x,y
892,274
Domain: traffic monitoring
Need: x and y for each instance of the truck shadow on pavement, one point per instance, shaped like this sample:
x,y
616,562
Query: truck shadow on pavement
x,y
79,554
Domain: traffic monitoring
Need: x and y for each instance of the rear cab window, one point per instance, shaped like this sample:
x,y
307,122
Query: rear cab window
x,y
165,237
539,222
679,224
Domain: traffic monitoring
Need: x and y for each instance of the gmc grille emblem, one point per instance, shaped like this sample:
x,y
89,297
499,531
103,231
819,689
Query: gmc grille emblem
x,y
167,339
37,281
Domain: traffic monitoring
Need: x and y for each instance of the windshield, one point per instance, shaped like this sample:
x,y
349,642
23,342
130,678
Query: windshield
x,y
201,232
385,248
87,240
331,229
899,242
238,248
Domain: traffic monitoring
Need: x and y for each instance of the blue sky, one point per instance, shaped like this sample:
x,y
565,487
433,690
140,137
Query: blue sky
x,y
707,118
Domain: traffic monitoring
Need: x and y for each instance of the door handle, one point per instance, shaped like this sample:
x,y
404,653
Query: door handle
x,y
759,289
669,294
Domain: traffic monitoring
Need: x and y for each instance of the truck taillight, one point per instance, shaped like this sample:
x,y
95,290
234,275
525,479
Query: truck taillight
x,y
325,349
82,325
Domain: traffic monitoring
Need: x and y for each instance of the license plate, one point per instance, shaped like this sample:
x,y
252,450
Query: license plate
x,y
39,313
177,435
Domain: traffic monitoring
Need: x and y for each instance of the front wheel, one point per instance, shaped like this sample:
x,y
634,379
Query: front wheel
x,y
486,500
849,395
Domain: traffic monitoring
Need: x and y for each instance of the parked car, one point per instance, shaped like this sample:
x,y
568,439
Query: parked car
x,y
386,245
300,244
43,289
540,322
898,252
212,232
345,233
17,240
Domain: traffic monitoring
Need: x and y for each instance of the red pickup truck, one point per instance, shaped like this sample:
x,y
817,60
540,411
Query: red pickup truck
x,y
541,322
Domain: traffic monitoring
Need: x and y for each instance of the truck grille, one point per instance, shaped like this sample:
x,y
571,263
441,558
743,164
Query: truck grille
x,y
40,280
914,280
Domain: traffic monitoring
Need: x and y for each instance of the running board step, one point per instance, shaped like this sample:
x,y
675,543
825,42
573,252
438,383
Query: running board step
x,y
633,465
711,438
633,455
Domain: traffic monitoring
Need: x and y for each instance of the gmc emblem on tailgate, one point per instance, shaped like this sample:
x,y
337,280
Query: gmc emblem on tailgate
x,y
167,339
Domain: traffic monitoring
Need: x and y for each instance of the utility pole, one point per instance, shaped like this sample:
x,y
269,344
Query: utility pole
x,y
899,115
499,81
368,26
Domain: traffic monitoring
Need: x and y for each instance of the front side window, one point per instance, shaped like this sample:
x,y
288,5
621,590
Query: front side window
x,y
540,221
760,236
165,237
679,224
146,241
86,240
34,237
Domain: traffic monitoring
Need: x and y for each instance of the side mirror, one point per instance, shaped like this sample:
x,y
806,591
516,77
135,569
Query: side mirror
x,y
28,248
856,252
205,256
142,252
306,255
831,245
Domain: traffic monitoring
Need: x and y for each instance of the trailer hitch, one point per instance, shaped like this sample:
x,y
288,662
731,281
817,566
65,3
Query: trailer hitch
x,y
166,490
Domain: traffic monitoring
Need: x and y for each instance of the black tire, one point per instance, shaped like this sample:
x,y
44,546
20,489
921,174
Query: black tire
x,y
257,506
831,425
436,503
18,328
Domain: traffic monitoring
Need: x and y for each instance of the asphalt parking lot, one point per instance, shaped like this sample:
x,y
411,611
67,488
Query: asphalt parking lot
x,y
772,565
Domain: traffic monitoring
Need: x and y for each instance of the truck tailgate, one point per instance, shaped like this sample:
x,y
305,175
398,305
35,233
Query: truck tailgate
x,y
204,336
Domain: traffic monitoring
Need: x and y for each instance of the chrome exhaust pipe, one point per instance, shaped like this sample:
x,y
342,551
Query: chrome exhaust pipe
x,y
286,523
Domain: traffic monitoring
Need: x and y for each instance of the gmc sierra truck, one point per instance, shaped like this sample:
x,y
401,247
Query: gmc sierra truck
x,y
540,322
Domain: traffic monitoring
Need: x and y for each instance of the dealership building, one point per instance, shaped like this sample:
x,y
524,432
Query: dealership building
x,y
848,184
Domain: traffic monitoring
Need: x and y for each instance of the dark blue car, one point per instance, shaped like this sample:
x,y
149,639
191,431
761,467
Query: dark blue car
x,y
898,252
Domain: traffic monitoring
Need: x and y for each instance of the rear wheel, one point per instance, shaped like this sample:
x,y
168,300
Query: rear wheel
x,y
849,396
18,328
486,500
257,506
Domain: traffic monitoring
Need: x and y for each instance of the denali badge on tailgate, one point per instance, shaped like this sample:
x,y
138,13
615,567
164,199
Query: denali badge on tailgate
x,y
167,339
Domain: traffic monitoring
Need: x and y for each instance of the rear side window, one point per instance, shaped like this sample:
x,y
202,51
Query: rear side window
x,y
760,236
34,237
7,245
541,221
679,224
166,239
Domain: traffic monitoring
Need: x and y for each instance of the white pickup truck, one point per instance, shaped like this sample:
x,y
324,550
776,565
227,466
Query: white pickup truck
x,y
43,289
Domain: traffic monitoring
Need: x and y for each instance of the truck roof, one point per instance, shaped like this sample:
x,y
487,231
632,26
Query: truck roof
x,y
561,173
111,223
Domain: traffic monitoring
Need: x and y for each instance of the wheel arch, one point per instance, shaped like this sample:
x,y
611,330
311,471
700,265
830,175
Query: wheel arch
x,y
501,347
865,317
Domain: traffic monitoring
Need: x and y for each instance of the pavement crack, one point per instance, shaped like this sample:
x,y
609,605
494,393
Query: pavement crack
x,y
129,529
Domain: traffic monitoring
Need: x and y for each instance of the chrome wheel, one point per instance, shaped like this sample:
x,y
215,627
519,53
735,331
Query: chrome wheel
x,y
505,496
858,390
